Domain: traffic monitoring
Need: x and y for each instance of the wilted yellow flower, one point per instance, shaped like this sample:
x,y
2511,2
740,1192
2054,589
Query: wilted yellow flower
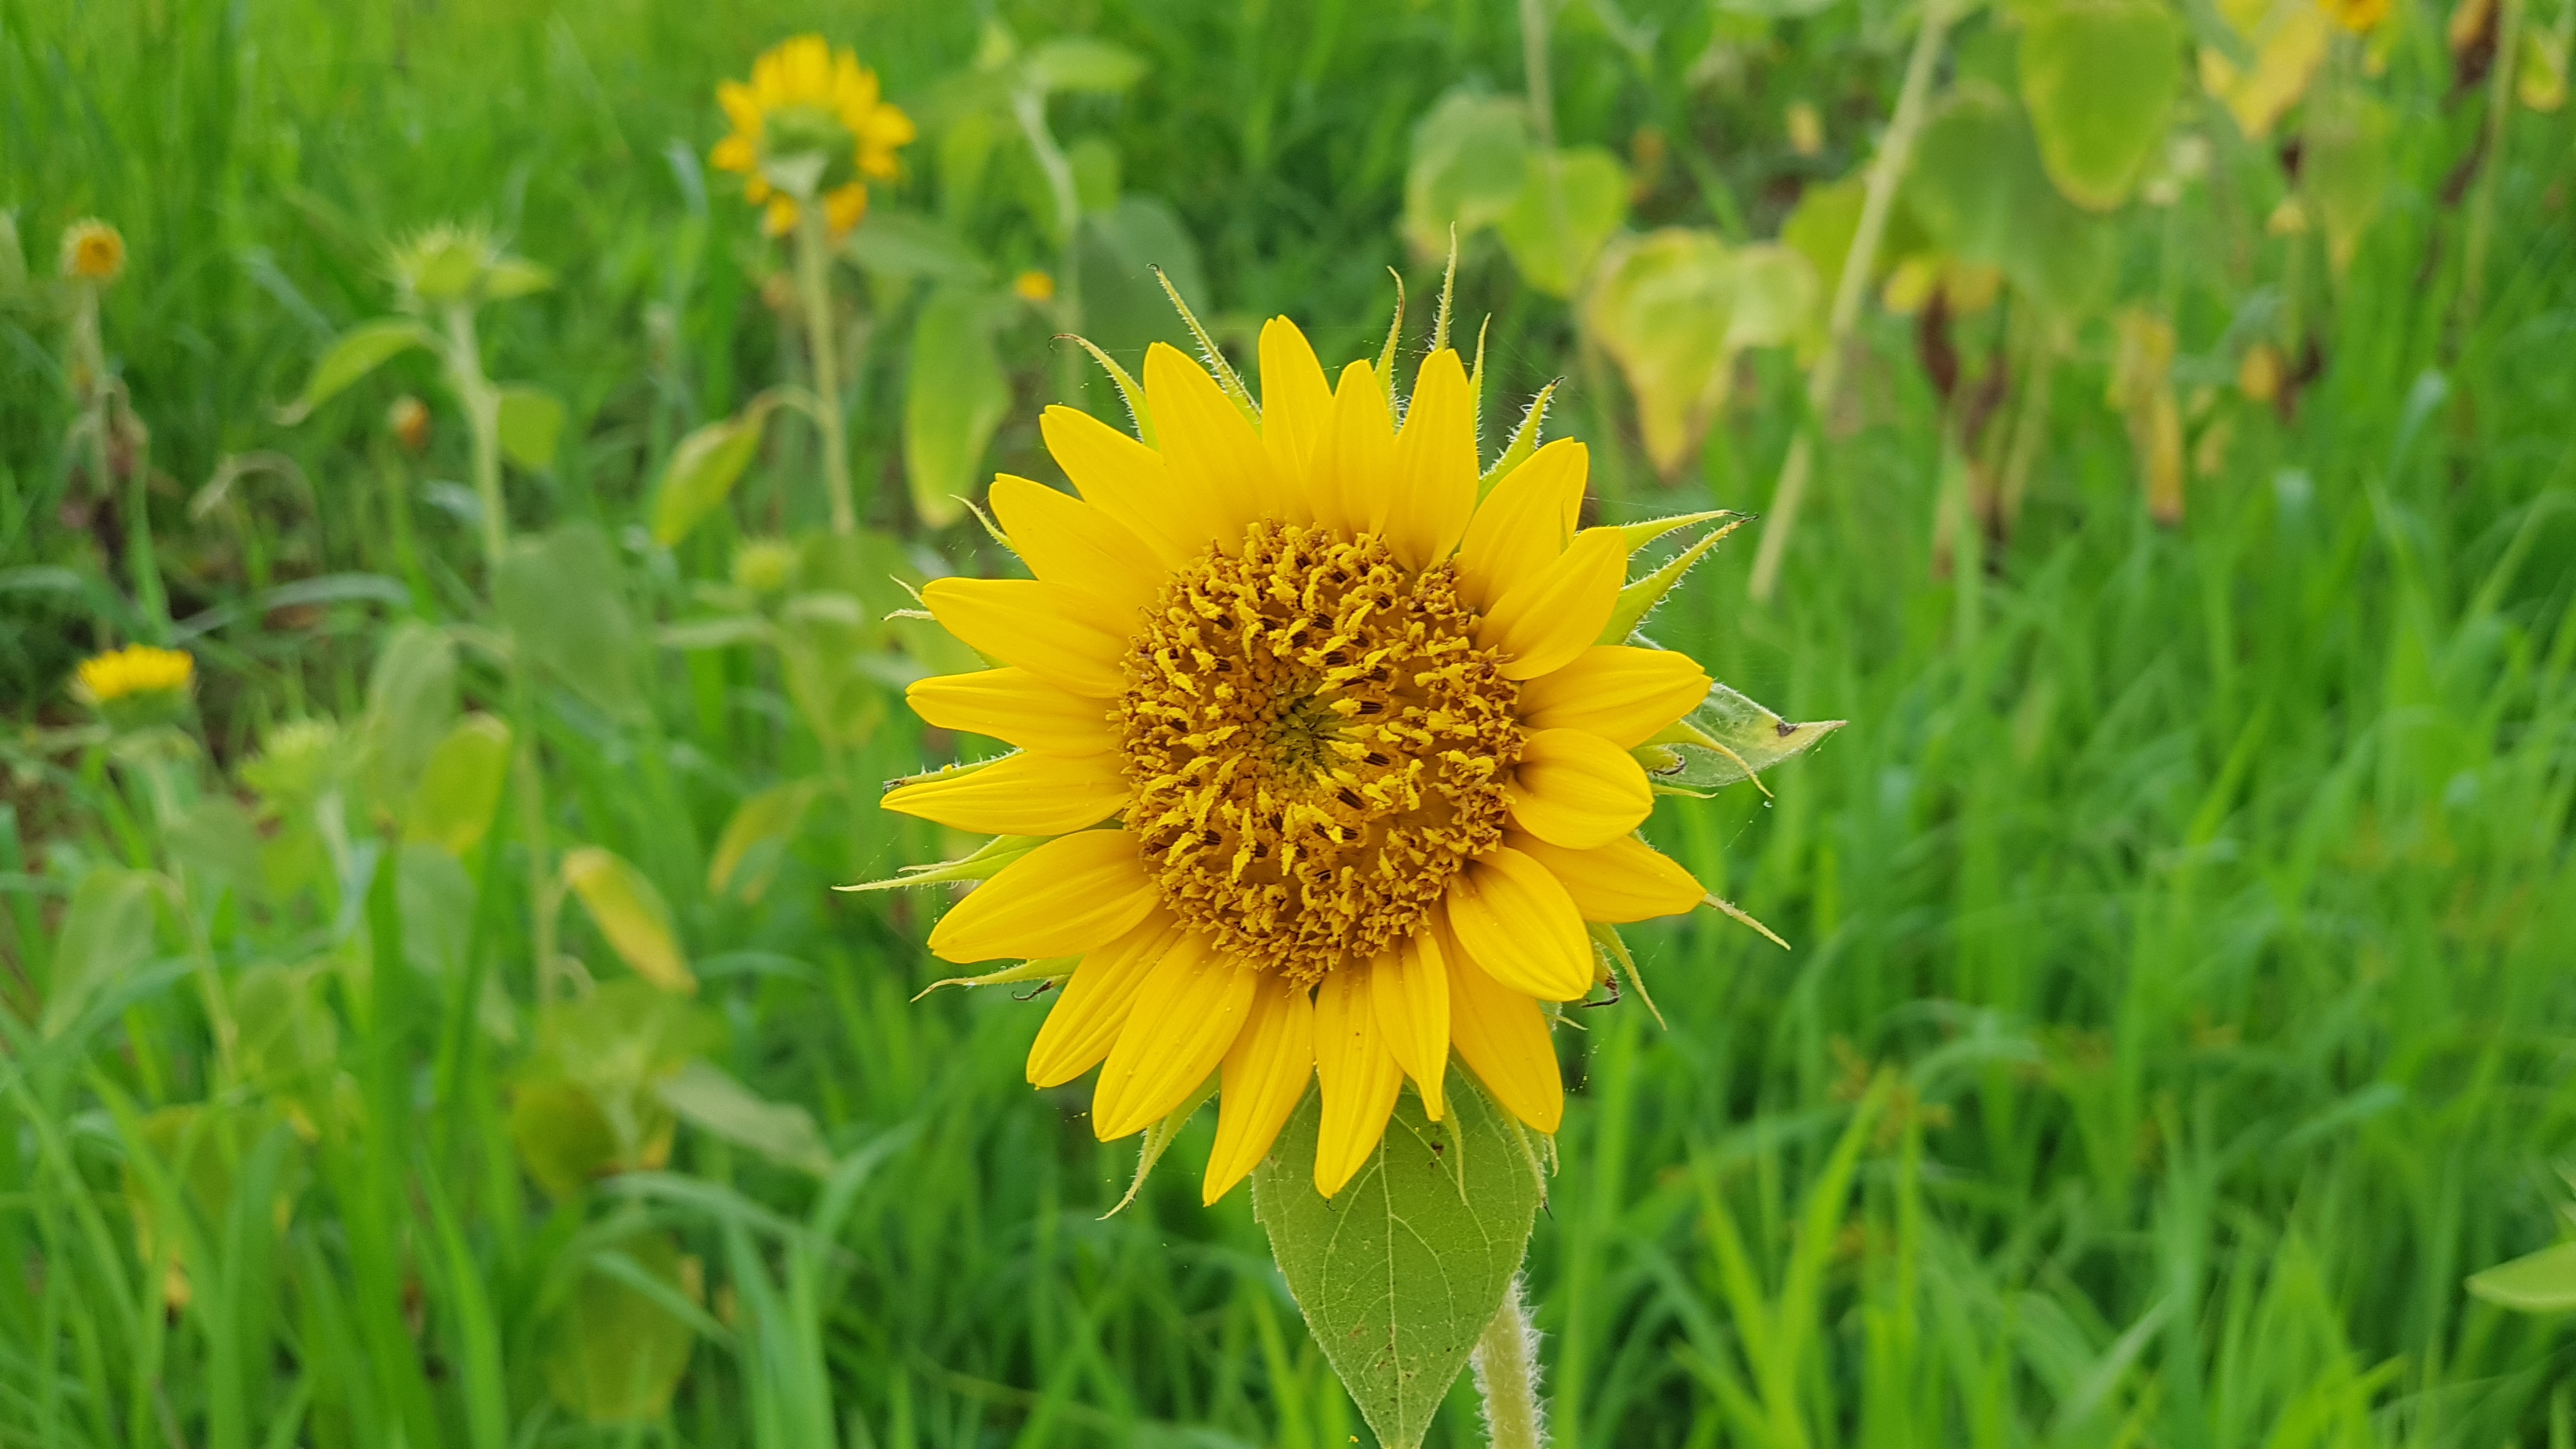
x,y
1333,767
136,669
817,111
408,419
2258,373
93,251
2358,16
1034,287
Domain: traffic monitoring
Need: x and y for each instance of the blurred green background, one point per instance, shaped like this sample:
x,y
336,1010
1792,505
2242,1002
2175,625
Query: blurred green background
x,y
443,1033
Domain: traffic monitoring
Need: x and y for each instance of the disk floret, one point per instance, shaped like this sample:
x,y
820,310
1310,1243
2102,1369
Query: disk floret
x,y
1316,746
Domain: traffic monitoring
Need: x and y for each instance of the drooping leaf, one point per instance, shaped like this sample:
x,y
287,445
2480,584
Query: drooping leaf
x,y
1570,203
954,397
707,1098
1982,195
105,934
2542,1282
1399,1272
359,351
563,597
217,846
631,914
437,898
768,819
585,1103
460,787
614,1352
2099,78
563,1138
2344,166
531,422
2289,38
1727,739
703,469
411,698
1673,308
1470,156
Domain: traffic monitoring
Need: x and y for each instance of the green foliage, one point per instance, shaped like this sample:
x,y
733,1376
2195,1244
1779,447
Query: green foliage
x,y
2099,77
954,398
562,596
1400,1271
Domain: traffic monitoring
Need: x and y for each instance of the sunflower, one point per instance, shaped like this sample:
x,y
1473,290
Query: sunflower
x,y
93,251
136,686
1328,767
812,122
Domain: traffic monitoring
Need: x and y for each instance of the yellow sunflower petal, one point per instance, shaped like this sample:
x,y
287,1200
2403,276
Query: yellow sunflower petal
x,y
1129,483
1432,490
1067,541
1019,795
1409,991
1502,1036
1617,691
1347,480
1296,402
1519,924
1625,880
1083,1025
778,218
806,68
1070,895
1061,636
1209,446
1524,523
843,206
1017,707
734,153
1578,790
741,107
1542,622
1188,1011
1264,1077
1359,1075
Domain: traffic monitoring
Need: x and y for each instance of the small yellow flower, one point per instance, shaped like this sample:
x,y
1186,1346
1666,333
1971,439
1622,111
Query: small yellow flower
x,y
809,107
93,251
135,670
1332,769
2358,16
2259,373
1034,287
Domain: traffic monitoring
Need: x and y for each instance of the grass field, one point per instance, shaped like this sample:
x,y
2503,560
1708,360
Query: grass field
x,y
2180,1005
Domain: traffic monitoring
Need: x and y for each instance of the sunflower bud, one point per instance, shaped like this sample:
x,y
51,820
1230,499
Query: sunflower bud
x,y
462,264
93,252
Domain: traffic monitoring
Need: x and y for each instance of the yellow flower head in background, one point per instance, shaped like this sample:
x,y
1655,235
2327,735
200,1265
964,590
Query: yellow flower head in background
x,y
93,251
812,119
2358,16
1034,286
137,675
1331,765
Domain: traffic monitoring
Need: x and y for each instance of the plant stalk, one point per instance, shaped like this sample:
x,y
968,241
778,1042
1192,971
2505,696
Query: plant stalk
x,y
482,403
2500,103
814,286
1506,1368
1824,381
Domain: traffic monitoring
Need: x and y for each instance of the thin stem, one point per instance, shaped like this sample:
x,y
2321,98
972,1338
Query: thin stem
x,y
1028,107
482,404
1824,381
545,897
99,406
1506,1365
814,285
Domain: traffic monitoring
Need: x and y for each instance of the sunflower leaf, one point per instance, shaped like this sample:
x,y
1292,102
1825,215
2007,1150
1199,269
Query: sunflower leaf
x,y
1727,740
1400,1271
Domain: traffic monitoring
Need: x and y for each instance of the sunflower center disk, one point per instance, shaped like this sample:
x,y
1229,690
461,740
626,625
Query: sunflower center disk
x,y
1316,746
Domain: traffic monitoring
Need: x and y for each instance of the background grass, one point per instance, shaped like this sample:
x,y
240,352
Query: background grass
x,y
2207,890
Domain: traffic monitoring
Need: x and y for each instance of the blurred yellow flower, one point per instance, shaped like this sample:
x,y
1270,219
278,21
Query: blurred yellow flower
x,y
408,418
811,120
1807,126
2358,16
1034,287
93,251
136,669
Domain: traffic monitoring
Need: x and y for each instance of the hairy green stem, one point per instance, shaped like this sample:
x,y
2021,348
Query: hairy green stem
x,y
814,287
1506,1367
482,404
1824,381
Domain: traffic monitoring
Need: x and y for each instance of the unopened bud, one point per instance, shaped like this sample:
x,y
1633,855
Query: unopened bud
x,y
408,420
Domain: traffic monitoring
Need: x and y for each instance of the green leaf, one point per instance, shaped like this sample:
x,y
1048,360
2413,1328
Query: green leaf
x,y
1727,739
1470,158
460,787
955,395
511,277
1673,308
614,1353
2543,1282
770,818
1080,63
359,351
531,423
1981,193
563,597
1570,203
586,1104
216,845
707,1098
703,469
631,914
105,934
411,697
2099,77
2344,167
564,1140
1399,1272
